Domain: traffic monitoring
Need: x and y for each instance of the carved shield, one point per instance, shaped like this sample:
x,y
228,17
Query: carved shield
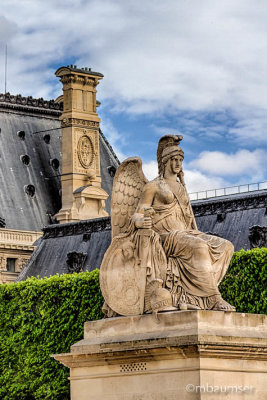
x,y
121,278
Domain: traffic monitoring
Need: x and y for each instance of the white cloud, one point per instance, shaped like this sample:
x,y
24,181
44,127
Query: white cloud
x,y
196,181
158,58
251,127
150,169
244,162
113,136
7,29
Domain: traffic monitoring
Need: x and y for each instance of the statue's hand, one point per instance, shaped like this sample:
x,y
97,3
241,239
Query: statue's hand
x,y
143,222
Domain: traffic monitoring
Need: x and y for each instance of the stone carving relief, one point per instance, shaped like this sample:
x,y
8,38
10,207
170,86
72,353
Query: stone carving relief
x,y
75,261
158,260
79,122
85,151
86,158
2,263
21,262
258,236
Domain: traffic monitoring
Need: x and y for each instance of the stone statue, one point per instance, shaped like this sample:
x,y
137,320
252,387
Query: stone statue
x,y
158,260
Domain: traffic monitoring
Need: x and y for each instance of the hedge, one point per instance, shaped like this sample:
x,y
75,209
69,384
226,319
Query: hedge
x,y
245,284
43,317
39,318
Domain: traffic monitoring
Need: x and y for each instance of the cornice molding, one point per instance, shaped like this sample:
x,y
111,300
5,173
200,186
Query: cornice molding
x,y
208,208
84,80
29,104
65,122
77,228
216,206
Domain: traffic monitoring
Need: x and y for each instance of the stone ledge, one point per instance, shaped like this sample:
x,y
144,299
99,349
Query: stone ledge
x,y
130,358
175,334
177,323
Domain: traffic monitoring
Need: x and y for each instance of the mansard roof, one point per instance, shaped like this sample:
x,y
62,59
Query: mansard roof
x,y
30,162
90,238
232,216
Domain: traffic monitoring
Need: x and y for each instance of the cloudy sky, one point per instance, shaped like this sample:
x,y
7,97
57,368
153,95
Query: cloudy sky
x,y
192,67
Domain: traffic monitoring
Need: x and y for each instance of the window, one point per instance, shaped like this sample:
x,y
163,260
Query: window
x,y
21,135
11,264
30,190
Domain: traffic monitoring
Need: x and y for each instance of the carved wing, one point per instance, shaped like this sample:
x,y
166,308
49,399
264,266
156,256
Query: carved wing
x,y
127,188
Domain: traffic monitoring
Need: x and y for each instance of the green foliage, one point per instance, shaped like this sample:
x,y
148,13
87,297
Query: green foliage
x,y
245,284
40,317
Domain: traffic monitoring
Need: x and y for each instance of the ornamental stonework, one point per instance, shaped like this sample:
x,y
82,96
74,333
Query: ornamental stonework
x,y
21,262
2,263
85,151
230,205
258,236
84,80
79,122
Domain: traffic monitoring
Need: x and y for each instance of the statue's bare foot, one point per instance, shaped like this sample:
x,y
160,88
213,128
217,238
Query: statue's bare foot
x,y
222,305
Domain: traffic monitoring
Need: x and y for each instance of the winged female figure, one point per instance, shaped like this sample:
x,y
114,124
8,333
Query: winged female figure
x,y
173,264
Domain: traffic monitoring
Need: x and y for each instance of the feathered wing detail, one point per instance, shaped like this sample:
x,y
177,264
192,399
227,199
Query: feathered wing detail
x,y
127,188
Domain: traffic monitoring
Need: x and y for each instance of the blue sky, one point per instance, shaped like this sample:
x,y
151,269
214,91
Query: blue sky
x,y
197,68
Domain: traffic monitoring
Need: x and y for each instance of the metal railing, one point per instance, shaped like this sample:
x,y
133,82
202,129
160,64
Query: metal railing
x,y
206,194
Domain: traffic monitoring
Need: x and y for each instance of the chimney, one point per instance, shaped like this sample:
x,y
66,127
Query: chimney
x,y
82,195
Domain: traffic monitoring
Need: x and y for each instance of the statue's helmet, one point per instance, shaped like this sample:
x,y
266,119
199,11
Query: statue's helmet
x,y
161,300
168,147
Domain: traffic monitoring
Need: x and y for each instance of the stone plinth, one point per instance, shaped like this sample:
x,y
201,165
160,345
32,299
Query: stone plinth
x,y
184,355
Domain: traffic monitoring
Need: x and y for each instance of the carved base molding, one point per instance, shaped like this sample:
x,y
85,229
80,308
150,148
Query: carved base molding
x,y
184,355
89,203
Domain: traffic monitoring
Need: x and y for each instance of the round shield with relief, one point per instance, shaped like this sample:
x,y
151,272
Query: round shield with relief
x,y
120,278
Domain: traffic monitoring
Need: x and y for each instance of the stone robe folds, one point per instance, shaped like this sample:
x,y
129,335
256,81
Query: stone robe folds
x,y
197,262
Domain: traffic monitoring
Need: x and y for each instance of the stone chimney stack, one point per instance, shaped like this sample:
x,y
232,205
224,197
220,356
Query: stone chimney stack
x,y
82,195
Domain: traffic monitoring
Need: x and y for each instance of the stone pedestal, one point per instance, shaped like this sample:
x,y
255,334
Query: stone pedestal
x,y
184,355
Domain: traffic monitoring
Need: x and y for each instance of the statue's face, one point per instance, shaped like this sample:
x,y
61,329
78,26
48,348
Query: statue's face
x,y
175,164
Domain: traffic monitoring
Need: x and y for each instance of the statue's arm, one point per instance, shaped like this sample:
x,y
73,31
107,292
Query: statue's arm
x,y
146,200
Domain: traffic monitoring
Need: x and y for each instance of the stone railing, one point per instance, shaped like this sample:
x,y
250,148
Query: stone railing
x,y
238,189
13,236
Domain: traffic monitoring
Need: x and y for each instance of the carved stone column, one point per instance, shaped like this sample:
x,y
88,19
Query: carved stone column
x,y
82,195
